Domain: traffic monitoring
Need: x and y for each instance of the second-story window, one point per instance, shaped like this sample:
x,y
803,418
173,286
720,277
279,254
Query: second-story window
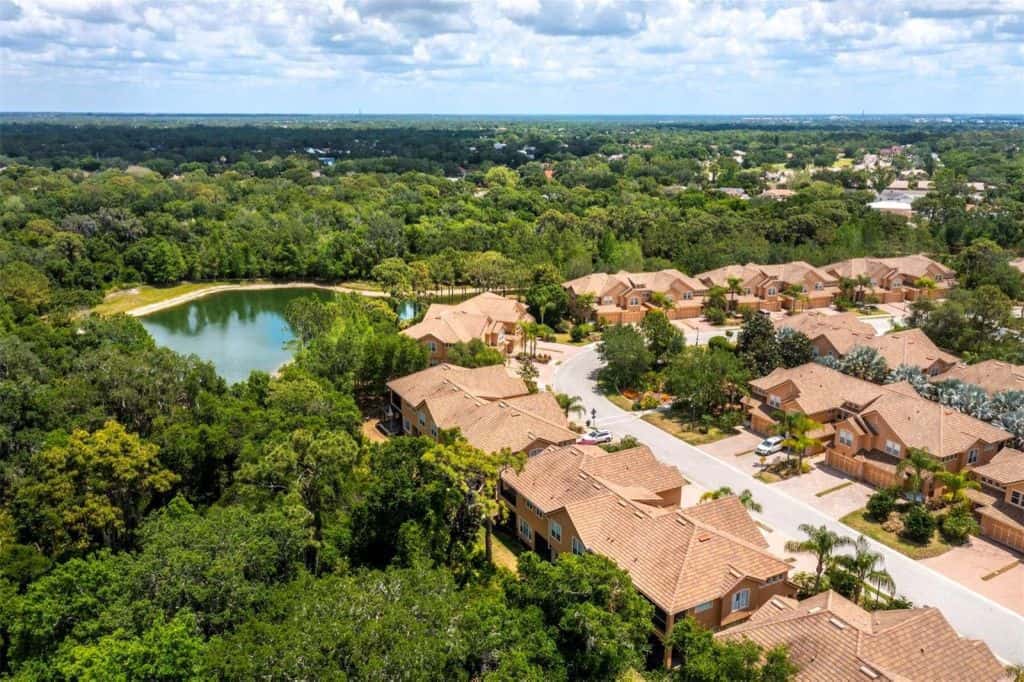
x,y
741,600
845,437
892,448
555,531
774,401
577,546
972,456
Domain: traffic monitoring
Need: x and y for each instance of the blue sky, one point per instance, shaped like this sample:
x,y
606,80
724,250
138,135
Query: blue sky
x,y
513,56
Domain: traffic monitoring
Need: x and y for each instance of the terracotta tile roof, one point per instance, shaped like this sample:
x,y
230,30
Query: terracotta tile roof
x,y
471,319
831,639
914,266
562,475
677,558
751,274
664,281
1005,467
820,388
992,375
843,331
754,274
909,347
492,409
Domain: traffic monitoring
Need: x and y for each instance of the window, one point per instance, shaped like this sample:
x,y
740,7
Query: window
x,y
771,291
524,530
775,401
532,507
536,451
892,448
577,546
741,600
688,296
606,300
934,371
845,437
775,579
972,456
555,531
818,286
432,346
1017,498
422,418
405,425
433,430
701,608
634,301
746,291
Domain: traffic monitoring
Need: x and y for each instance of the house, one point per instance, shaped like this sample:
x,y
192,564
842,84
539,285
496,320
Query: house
x,y
992,375
912,347
764,287
830,638
489,317
708,561
491,408
894,280
867,428
1000,502
734,192
626,297
830,335
777,194
901,206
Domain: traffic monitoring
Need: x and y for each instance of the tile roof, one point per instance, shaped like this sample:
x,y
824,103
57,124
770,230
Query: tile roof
x,y
754,274
909,347
677,557
1007,466
561,475
820,388
992,375
492,409
917,265
843,331
603,284
471,319
830,639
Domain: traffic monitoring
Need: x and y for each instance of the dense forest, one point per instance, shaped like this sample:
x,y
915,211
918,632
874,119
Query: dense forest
x,y
158,524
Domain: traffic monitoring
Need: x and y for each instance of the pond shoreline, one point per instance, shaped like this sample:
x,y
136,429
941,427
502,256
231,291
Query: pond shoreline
x,y
148,308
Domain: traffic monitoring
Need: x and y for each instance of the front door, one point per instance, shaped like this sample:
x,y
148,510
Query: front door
x,y
541,547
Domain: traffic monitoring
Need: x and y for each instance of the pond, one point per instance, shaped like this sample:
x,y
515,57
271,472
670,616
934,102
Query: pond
x,y
238,331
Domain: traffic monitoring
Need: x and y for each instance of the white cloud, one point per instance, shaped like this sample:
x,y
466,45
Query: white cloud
x,y
649,53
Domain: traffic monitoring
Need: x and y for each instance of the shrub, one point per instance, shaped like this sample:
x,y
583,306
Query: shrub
x,y
715,316
649,402
881,504
958,524
579,332
842,581
721,343
918,524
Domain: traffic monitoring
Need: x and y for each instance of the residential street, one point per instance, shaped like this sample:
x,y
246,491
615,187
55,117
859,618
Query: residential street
x,y
970,613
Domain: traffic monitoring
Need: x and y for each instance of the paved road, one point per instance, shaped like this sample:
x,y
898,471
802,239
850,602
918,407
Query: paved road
x,y
970,613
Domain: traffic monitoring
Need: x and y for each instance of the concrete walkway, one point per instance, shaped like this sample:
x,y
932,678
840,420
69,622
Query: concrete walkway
x,y
970,613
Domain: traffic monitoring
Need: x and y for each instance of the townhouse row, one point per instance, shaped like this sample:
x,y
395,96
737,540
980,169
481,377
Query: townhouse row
x,y
867,429
625,297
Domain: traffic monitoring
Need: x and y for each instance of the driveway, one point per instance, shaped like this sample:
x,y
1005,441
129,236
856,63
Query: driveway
x,y
977,564
972,614
852,496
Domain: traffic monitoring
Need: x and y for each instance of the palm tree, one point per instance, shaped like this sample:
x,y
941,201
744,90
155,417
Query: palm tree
x,y
861,281
795,426
746,497
570,403
920,461
955,484
796,293
822,543
734,286
867,567
530,331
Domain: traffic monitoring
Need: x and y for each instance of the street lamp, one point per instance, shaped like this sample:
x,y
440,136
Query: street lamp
x,y
593,415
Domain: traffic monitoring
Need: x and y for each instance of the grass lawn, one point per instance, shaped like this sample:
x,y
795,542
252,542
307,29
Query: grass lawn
x,y
127,299
505,550
620,401
681,430
935,547
767,477
565,339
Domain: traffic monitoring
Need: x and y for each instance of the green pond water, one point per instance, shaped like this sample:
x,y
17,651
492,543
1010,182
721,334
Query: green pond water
x,y
238,331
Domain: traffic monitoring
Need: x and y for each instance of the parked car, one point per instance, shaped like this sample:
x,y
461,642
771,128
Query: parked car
x,y
595,437
769,446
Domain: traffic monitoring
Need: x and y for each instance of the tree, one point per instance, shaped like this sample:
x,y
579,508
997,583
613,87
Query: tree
x,y
91,490
734,285
501,176
822,543
529,373
475,353
24,288
547,301
705,658
758,346
478,473
625,356
864,362
795,348
746,497
795,426
570,403
705,381
955,484
309,317
798,295
918,524
918,460
602,624
663,340
866,567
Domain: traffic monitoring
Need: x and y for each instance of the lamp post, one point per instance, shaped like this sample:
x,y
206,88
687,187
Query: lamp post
x,y
593,415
